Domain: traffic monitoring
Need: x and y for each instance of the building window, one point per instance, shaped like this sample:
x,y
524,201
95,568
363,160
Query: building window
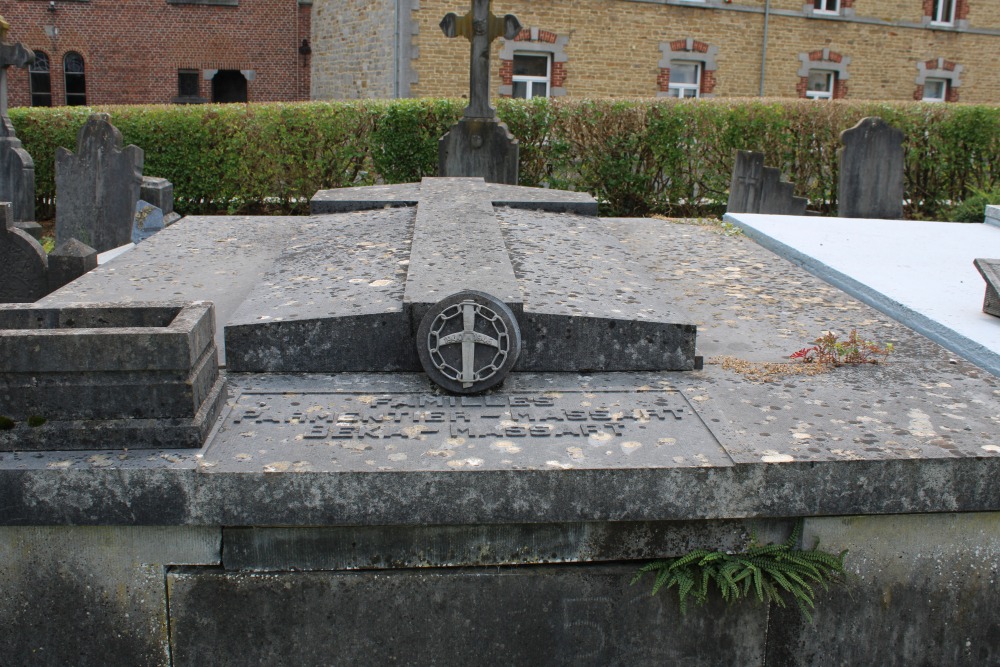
x,y
685,79
935,90
76,81
938,80
821,85
187,83
687,69
943,12
826,6
532,75
823,75
40,81
533,64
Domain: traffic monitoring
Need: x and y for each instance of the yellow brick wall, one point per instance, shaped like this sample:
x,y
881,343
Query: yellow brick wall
x,y
613,48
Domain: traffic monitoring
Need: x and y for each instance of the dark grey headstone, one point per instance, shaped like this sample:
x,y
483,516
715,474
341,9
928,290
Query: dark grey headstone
x,y
478,147
479,144
17,170
23,263
69,261
160,193
31,228
97,188
989,269
871,171
758,189
148,220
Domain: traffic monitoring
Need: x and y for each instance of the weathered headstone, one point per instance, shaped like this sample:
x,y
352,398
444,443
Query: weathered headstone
x,y
69,261
97,188
160,193
758,189
23,263
17,170
871,171
147,221
479,144
989,269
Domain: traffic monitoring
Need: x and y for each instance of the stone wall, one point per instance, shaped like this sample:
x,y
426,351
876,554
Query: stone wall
x,y
354,47
614,46
919,590
133,50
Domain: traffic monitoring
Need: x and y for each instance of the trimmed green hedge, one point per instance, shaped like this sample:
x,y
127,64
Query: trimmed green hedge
x,y
637,157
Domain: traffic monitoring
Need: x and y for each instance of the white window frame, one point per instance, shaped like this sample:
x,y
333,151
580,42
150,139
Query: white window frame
x,y
943,12
531,80
944,89
831,77
824,7
683,88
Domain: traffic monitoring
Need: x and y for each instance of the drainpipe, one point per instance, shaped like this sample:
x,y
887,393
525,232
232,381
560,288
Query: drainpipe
x,y
763,56
395,55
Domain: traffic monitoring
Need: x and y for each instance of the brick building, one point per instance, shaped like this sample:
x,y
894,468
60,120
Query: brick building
x,y
160,51
941,50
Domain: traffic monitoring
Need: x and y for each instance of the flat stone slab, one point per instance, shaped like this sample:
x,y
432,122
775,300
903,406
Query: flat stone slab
x,y
853,440
343,200
920,273
208,258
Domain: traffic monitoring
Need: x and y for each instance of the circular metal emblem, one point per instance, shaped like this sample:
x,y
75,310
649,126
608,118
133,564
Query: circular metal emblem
x,y
468,342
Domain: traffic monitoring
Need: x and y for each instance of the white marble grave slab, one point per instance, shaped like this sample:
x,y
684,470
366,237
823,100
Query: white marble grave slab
x,y
920,273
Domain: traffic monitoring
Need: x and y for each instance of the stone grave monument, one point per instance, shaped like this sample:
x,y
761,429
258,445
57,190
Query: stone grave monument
x,y
147,221
97,187
871,171
159,192
479,144
476,410
758,189
26,273
989,269
17,170
23,263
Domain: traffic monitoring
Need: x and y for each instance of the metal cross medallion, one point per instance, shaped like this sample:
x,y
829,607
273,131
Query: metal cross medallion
x,y
468,338
480,27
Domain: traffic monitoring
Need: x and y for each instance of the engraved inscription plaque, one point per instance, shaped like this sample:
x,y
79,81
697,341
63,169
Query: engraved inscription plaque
x,y
510,430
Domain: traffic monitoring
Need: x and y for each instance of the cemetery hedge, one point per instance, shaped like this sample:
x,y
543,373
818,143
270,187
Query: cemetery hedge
x,y
638,157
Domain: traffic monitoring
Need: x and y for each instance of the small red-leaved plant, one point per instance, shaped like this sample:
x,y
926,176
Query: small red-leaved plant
x,y
855,350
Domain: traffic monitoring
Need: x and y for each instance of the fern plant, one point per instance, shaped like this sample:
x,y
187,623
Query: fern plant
x,y
766,572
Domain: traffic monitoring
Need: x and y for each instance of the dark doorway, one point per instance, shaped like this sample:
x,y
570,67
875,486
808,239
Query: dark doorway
x,y
229,85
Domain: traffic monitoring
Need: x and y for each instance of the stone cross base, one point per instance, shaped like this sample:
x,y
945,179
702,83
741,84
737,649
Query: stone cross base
x,y
479,147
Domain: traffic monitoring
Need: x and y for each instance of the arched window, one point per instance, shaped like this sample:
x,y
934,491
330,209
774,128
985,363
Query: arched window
x,y
823,75
76,80
40,81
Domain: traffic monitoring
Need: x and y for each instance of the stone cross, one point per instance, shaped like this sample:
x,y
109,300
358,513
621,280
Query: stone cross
x,y
480,27
10,54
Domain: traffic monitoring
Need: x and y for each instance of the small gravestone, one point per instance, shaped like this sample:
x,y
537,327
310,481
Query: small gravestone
x,y
17,170
23,263
758,189
989,269
160,193
479,144
68,262
148,220
97,188
993,216
871,171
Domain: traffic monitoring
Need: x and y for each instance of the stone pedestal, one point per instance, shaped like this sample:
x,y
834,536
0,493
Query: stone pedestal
x,y
479,147
108,376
